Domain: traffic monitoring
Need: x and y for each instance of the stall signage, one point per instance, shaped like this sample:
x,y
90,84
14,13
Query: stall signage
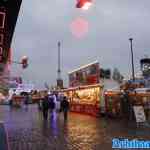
x,y
87,75
139,114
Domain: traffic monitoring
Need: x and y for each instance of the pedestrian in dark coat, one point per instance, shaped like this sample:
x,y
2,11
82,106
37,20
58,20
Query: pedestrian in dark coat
x,y
51,105
65,107
26,99
45,106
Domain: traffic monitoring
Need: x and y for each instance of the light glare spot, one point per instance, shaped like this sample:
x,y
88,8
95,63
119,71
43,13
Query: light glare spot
x,y
79,27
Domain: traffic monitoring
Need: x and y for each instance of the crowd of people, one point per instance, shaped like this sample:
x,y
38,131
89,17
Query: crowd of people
x,y
48,103
52,104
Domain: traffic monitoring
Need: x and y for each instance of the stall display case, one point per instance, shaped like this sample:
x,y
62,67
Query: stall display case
x,y
84,99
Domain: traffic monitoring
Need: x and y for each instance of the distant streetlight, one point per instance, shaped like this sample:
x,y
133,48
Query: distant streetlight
x,y
23,62
133,75
84,4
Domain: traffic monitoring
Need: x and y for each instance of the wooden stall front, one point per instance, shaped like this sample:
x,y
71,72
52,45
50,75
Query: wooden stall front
x,y
113,102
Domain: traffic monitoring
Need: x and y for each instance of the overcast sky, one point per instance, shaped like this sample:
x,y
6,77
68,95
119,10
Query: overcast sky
x,y
103,35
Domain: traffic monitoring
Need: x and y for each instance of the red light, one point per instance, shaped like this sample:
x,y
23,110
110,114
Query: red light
x,y
84,4
79,27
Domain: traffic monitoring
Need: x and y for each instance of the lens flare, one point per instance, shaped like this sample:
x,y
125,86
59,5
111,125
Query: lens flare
x,y
79,27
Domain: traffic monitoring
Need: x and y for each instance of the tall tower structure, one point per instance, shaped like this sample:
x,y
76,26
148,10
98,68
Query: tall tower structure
x,y
59,70
59,80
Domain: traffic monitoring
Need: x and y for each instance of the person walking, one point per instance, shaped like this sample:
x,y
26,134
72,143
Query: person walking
x,y
26,100
51,105
65,107
58,106
45,106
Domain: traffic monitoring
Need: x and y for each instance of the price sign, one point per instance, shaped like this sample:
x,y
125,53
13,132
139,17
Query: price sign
x,y
139,114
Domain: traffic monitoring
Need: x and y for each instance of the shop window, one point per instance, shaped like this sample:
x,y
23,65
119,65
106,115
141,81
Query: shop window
x,y
93,70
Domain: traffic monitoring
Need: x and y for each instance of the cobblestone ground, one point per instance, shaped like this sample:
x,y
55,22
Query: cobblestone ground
x,y
27,131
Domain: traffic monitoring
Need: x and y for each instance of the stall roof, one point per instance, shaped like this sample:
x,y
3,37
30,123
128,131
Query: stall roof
x,y
84,66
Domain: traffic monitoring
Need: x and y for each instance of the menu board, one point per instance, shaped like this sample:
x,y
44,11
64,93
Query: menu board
x,y
87,75
139,114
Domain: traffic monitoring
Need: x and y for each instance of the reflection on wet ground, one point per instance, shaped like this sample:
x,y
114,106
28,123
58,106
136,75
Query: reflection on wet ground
x,y
28,131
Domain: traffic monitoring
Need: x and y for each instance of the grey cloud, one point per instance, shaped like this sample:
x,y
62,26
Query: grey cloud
x,y
111,23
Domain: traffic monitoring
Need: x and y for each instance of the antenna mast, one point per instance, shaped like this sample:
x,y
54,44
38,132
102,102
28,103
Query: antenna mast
x,y
59,80
59,70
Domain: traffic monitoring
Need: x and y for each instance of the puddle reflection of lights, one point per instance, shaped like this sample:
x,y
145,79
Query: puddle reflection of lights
x,y
54,124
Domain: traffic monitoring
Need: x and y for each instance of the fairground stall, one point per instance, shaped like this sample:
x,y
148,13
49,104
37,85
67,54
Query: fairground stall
x,y
114,102
84,90
131,93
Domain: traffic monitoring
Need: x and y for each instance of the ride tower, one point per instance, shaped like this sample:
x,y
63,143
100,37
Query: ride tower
x,y
59,79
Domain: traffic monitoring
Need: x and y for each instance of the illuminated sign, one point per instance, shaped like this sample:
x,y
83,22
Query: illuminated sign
x,y
9,10
85,75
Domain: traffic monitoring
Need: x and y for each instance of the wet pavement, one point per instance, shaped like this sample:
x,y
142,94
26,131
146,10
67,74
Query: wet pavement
x,y
27,130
